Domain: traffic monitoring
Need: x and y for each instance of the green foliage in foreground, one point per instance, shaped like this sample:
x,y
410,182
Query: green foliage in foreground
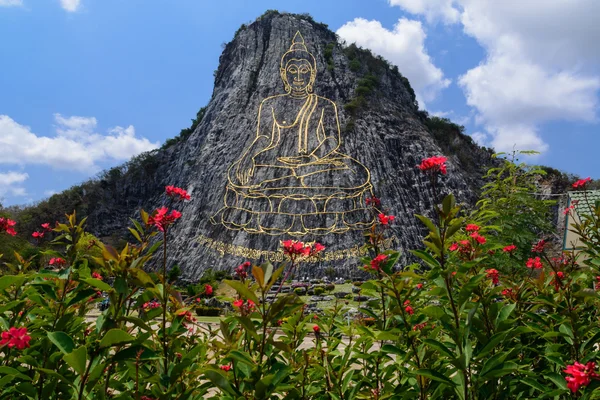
x,y
453,327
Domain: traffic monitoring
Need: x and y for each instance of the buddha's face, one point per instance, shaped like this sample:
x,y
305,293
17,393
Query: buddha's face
x,y
298,74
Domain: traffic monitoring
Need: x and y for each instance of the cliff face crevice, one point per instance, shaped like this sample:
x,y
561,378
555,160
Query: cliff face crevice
x,y
381,128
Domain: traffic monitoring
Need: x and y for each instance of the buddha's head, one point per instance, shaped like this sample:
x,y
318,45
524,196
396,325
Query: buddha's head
x,y
298,67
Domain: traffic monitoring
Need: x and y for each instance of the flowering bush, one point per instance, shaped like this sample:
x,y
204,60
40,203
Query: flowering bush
x,y
482,315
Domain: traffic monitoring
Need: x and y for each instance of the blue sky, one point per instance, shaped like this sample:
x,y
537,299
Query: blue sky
x,y
86,84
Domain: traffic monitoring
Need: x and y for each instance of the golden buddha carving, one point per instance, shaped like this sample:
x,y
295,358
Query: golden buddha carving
x,y
293,179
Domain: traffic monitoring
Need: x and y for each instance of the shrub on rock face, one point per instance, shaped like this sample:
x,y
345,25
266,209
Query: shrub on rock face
x,y
319,291
329,287
300,291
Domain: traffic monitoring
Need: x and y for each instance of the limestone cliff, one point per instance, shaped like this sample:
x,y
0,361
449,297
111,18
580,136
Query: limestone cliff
x,y
380,128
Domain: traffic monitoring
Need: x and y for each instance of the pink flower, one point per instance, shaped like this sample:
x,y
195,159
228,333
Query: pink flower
x,y
581,375
96,275
581,183
472,228
385,219
238,303
15,337
208,290
38,234
453,247
493,275
534,263
557,280
510,248
419,286
46,226
318,248
161,219
6,225
225,368
316,329
177,193
434,164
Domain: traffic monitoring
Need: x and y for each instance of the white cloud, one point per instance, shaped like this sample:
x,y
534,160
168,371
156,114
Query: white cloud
x,y
434,10
541,64
480,138
403,46
76,145
70,5
50,192
11,3
10,183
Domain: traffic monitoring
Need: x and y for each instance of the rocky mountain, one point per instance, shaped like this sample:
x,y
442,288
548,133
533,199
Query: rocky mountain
x,y
300,130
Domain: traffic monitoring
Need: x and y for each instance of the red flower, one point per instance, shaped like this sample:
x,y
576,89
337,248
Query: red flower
x,y
472,228
46,226
96,275
419,286
250,304
581,183
493,275
478,238
508,292
408,308
510,248
539,246
376,263
177,193
316,329
15,337
225,368
434,164
418,327
581,375
6,225
385,219
557,280
162,220
208,290
318,248
598,283
151,305
240,271
453,247
295,248
374,201
238,303
38,234
534,263
59,262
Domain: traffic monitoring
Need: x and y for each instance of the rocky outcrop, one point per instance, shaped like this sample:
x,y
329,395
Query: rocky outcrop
x,y
380,126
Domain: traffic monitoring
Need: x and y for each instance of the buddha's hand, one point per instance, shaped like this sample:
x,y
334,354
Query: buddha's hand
x,y
245,170
296,161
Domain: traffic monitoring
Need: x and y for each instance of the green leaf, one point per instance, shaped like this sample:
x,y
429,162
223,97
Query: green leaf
x,y
8,280
77,360
427,258
534,384
241,357
135,234
436,376
439,347
505,313
97,283
468,288
220,380
448,204
243,290
115,337
131,353
429,224
14,372
259,275
558,380
63,341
